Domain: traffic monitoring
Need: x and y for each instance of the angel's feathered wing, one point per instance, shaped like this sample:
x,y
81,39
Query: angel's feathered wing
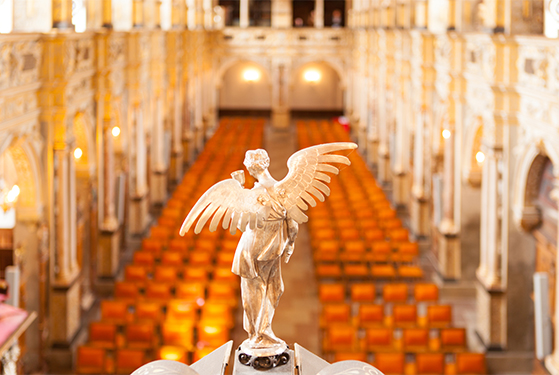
x,y
306,176
237,206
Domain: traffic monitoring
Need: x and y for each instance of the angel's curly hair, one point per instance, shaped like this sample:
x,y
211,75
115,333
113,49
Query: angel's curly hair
x,y
257,158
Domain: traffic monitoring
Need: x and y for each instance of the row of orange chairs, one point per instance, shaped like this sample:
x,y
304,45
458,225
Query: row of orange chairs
x,y
421,363
363,271
370,292
366,315
340,338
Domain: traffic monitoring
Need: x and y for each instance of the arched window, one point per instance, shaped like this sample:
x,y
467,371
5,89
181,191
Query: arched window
x,y
6,16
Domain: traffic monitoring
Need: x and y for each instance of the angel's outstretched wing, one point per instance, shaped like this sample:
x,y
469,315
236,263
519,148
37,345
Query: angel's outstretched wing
x,y
306,176
237,206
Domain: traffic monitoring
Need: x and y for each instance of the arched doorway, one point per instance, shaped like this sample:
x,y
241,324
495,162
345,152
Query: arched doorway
x,y
316,86
246,86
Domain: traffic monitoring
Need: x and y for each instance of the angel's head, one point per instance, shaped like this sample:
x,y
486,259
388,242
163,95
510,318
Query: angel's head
x,y
256,162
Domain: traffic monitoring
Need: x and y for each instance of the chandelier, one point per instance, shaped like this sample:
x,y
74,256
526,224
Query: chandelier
x,y
8,196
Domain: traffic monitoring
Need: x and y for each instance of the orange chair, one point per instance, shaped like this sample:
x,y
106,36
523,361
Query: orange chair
x,y
199,258
395,292
165,274
114,311
398,235
217,313
383,271
140,335
224,292
224,258
328,271
410,272
135,274
404,315
172,259
429,363
212,334
374,235
470,363
158,292
128,360
370,315
224,274
181,311
380,251
153,246
350,234
126,291
363,292
327,251
172,353
195,274
379,339
144,259
324,234
439,315
415,339
179,245
331,293
406,252
191,291
178,334
390,363
160,233
453,339
91,360
426,292
335,313
102,335
356,271
148,311
340,338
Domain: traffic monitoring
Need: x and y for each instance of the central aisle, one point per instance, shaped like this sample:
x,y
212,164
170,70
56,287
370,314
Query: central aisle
x,y
297,316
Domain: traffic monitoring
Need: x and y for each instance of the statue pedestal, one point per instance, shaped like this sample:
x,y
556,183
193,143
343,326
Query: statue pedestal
x,y
217,361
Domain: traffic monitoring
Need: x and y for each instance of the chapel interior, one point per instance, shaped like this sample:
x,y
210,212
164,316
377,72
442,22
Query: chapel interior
x,y
435,253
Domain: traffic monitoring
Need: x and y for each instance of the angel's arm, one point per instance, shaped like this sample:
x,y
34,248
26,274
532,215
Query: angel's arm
x,y
292,230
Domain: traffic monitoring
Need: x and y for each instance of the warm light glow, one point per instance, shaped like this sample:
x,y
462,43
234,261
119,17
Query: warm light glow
x,y
116,131
211,330
446,134
480,157
200,302
251,75
12,195
78,153
312,75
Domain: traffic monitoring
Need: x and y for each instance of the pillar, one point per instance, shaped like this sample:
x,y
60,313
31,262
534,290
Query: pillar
x,y
281,116
319,14
158,188
138,13
244,14
552,361
107,14
62,14
419,207
282,14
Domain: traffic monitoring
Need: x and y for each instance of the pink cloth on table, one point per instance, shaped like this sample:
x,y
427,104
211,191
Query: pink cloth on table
x,y
10,319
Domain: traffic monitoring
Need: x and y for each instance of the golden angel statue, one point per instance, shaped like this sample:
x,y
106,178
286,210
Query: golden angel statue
x,y
269,215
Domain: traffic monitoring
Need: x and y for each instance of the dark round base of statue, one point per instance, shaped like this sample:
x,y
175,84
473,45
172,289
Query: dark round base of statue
x,y
265,362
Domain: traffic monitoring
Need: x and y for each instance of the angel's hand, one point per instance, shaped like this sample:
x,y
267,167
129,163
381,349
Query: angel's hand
x,y
287,251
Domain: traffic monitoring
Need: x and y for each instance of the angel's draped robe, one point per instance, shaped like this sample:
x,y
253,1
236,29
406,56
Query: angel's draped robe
x,y
258,262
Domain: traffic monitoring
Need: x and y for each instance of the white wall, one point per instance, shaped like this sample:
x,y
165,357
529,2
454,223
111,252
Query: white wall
x,y
326,94
236,93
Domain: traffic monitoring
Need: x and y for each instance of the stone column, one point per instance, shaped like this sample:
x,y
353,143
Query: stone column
x,y
282,14
107,18
319,14
420,218
175,48
552,361
244,14
138,13
139,189
62,14
386,112
158,188
280,100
